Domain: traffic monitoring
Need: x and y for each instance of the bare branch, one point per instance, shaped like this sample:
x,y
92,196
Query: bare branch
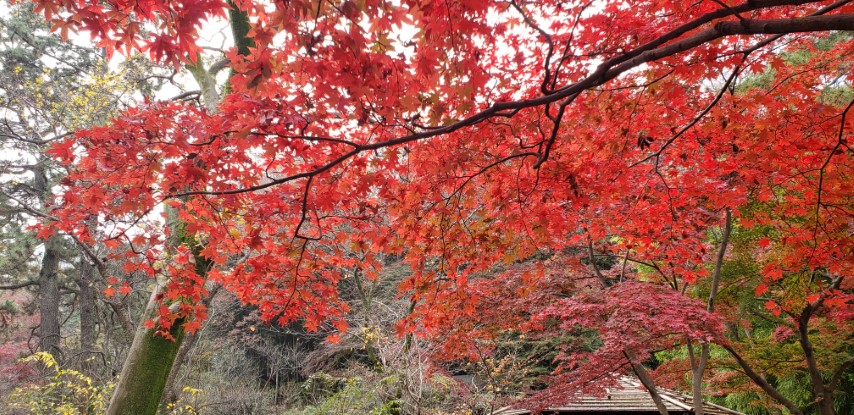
x,y
19,286
186,95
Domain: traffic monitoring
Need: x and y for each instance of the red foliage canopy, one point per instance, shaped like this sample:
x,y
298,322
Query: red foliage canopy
x,y
465,134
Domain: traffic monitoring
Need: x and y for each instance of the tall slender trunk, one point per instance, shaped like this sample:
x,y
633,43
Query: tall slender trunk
x,y
647,382
88,314
49,327
822,393
697,379
700,368
49,330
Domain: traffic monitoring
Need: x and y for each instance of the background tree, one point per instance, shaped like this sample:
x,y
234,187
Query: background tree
x,y
31,91
49,88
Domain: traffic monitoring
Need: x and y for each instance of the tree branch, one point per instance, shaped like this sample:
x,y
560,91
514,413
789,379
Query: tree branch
x,y
762,383
839,141
700,367
599,275
693,122
649,52
19,286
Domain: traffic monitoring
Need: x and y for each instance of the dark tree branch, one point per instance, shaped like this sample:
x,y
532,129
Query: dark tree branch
x,y
19,286
772,39
304,215
544,86
823,394
840,140
602,279
186,95
649,52
762,383
693,122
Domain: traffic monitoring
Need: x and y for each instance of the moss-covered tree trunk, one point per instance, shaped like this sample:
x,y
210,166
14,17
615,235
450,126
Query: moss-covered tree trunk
x,y
144,373
151,357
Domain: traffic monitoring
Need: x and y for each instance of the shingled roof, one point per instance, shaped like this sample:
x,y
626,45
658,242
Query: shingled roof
x,y
630,398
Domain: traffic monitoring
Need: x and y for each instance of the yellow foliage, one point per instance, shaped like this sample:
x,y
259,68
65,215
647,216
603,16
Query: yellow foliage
x,y
180,407
90,101
67,392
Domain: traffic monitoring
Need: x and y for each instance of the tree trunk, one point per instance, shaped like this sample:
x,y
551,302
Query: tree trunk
x,y
697,372
147,367
697,379
823,396
150,359
647,382
170,392
88,312
49,330
49,334
146,371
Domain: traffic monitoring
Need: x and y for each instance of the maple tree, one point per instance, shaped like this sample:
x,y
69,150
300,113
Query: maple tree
x,y
465,135
769,338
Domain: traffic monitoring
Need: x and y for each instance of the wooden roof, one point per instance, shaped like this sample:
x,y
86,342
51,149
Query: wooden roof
x,y
630,397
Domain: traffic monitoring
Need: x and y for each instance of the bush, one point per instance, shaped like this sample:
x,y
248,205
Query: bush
x,y
66,392
353,398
